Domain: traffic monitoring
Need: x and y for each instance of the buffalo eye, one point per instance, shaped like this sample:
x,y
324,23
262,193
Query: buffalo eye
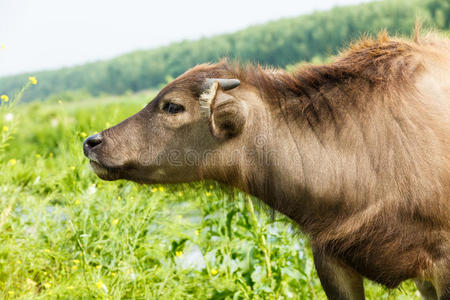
x,y
173,108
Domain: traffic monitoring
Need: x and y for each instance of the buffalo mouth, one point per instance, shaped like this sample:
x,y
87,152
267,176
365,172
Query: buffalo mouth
x,y
128,172
104,172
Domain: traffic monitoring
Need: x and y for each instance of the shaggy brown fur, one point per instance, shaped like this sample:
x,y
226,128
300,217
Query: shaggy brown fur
x,y
361,156
370,86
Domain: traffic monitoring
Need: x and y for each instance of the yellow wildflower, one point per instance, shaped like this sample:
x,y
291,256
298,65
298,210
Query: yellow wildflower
x,y
214,272
59,101
107,124
180,194
5,128
75,268
154,190
50,154
47,250
72,168
179,216
47,285
33,80
161,189
11,292
100,284
4,98
197,233
208,194
37,155
77,201
12,161
179,253
99,246
76,261
115,221
119,198
70,287
83,134
113,274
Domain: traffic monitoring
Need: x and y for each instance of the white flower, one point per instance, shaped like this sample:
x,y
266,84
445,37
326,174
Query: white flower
x,y
54,122
92,189
9,117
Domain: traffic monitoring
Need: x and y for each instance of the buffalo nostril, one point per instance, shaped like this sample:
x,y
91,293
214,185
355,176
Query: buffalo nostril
x,y
91,142
94,140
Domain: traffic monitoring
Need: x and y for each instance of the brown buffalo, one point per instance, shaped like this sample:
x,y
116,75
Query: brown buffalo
x,y
357,152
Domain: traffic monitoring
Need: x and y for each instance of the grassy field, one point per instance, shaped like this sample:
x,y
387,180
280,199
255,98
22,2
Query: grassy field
x,y
65,234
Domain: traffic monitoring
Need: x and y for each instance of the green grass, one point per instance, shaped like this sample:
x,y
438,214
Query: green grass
x,y
65,234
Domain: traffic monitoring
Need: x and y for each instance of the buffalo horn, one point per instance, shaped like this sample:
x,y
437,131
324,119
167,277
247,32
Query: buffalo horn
x,y
226,84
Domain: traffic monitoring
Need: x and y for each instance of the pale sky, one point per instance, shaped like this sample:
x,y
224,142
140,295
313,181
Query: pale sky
x,y
48,34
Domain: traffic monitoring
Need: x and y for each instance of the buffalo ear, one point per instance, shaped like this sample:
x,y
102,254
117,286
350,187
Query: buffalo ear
x,y
227,115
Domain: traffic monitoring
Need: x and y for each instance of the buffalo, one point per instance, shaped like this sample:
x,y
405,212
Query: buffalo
x,y
356,152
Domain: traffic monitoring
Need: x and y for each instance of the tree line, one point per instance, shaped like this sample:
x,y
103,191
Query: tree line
x,y
278,43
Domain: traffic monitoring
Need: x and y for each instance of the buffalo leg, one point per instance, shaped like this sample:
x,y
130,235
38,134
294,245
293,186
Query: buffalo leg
x,y
444,292
442,279
426,289
443,287
339,281
445,295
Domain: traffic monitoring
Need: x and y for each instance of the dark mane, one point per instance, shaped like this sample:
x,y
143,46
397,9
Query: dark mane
x,y
370,64
370,61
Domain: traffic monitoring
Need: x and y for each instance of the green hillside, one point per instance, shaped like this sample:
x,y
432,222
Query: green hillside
x,y
278,43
